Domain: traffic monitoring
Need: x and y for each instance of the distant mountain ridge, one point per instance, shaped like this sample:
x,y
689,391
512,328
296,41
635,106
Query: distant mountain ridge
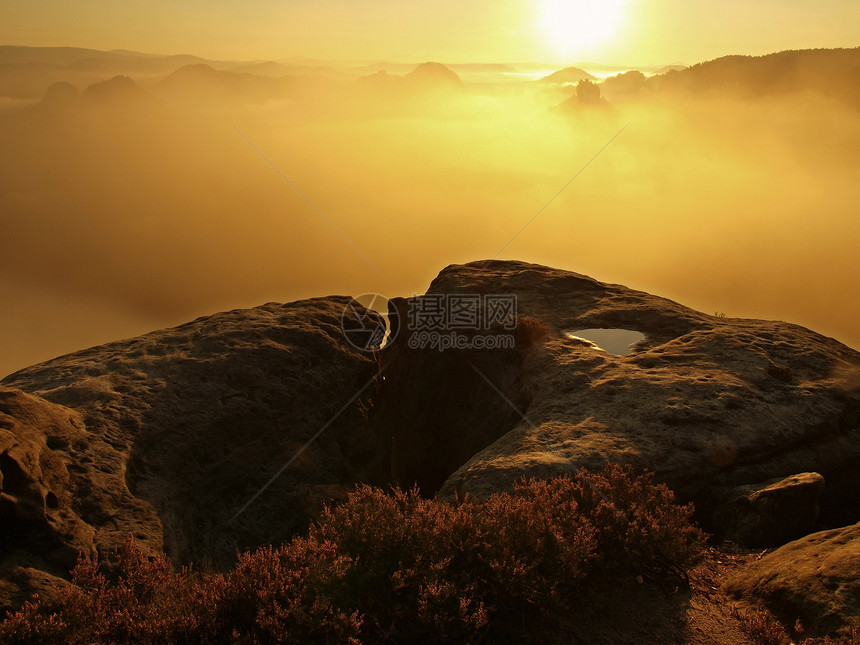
x,y
833,72
25,72
78,57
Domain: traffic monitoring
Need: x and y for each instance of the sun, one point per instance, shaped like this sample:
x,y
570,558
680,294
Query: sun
x,y
581,26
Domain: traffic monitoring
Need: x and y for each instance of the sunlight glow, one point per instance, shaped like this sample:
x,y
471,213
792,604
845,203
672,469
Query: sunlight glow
x,y
576,27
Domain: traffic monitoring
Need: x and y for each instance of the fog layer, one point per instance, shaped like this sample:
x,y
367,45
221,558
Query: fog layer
x,y
136,204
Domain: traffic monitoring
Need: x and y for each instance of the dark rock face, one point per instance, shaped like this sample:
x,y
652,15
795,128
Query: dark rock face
x,y
438,408
814,578
771,513
705,402
181,428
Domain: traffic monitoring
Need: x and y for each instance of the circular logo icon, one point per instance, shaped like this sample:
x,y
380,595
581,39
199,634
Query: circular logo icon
x,y
367,323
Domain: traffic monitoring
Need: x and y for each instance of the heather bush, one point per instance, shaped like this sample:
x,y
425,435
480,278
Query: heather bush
x,y
388,567
276,595
142,601
639,524
761,627
764,629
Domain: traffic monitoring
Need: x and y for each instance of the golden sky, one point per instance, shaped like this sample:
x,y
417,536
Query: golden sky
x,y
624,32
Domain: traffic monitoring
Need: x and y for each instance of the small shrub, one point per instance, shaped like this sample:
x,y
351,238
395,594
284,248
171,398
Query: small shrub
x,y
764,629
387,567
142,602
640,526
852,637
761,627
530,330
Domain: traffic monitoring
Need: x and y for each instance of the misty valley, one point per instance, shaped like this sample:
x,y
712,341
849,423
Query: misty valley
x,y
140,191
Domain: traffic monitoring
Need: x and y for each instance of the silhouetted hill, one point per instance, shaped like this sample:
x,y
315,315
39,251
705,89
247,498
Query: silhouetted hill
x,y
432,76
205,79
61,56
624,85
567,75
832,72
25,72
59,96
75,58
427,79
380,81
586,96
670,68
118,88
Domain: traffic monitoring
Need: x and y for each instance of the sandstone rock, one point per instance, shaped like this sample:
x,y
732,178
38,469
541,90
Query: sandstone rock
x,y
41,529
234,430
814,579
180,428
20,584
772,513
705,401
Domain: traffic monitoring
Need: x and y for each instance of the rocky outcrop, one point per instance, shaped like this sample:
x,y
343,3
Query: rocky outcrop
x,y
707,402
236,429
169,436
41,530
771,513
814,579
